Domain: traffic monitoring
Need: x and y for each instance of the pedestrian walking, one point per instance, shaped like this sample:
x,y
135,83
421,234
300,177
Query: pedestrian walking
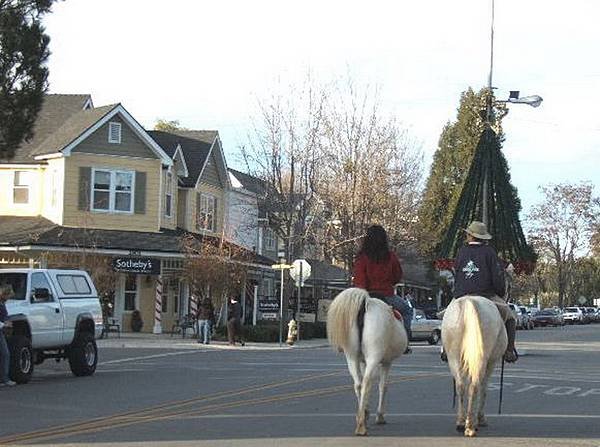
x,y
206,318
234,326
6,292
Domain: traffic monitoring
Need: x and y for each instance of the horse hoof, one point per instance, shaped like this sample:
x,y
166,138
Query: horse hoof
x,y
460,428
380,420
362,431
483,422
469,432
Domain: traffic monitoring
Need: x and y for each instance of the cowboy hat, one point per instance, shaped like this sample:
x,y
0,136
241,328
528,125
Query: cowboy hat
x,y
478,230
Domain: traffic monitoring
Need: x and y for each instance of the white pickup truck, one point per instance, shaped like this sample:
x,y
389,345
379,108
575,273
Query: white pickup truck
x,y
55,314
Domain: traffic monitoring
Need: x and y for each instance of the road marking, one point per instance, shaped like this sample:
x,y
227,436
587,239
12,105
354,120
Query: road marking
x,y
146,357
106,422
398,415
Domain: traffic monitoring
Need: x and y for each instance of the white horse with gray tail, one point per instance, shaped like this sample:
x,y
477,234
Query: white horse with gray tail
x,y
365,329
474,339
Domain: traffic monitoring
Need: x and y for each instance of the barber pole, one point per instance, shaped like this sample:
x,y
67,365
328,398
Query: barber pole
x,y
193,305
158,306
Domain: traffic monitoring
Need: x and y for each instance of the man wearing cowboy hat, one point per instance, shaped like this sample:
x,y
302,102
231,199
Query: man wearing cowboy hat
x,y
477,271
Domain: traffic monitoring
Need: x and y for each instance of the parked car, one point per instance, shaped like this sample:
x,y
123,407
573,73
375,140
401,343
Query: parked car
x,y
573,315
55,314
549,317
423,328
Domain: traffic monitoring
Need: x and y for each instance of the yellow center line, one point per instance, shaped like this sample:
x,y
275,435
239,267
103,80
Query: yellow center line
x,y
140,418
102,421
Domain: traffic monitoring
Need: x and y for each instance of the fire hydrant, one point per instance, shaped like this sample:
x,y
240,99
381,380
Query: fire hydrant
x,y
292,332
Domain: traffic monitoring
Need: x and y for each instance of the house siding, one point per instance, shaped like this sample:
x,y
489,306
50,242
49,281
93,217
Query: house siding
x,y
54,190
242,222
74,217
210,175
131,145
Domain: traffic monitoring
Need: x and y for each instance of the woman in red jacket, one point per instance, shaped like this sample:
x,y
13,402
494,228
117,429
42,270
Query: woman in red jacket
x,y
377,270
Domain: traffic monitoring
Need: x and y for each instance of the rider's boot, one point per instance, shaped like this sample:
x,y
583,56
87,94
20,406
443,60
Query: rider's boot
x,y
511,355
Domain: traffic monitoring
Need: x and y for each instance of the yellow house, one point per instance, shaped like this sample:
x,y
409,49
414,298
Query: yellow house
x,y
93,181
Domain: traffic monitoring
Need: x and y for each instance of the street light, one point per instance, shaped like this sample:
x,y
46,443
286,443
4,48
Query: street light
x,y
513,98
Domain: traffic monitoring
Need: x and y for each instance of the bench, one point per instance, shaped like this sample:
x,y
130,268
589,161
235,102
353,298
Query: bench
x,y
111,325
183,324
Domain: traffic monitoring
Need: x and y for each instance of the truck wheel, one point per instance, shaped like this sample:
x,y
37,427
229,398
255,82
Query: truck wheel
x,y
434,338
21,359
83,355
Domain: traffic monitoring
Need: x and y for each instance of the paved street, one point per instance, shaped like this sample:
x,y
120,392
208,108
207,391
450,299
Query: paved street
x,y
169,391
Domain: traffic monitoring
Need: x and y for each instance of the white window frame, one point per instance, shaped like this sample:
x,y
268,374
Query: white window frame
x,y
203,209
112,192
270,239
169,195
117,126
137,292
27,187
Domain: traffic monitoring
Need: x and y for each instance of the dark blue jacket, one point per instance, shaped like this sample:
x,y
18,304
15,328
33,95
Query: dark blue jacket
x,y
478,271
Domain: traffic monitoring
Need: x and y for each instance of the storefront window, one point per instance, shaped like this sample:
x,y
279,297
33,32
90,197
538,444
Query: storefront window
x,y
130,292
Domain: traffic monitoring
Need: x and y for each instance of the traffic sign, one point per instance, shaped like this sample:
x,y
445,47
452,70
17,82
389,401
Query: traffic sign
x,y
300,271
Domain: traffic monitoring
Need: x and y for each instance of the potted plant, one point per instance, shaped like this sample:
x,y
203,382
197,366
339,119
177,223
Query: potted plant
x,y
136,321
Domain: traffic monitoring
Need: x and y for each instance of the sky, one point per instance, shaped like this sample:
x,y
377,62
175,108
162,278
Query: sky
x,y
207,63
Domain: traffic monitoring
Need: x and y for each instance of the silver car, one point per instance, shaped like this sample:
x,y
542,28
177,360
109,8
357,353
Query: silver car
x,y
424,329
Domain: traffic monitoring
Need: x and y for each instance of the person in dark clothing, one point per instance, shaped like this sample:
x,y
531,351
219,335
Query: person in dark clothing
x,y
377,270
478,272
234,326
206,318
6,292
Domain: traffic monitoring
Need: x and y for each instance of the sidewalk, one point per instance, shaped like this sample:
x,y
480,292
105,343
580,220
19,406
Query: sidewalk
x,y
166,341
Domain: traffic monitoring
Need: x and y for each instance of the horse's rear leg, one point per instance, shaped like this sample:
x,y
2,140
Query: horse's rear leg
x,y
474,399
481,419
354,366
385,370
361,415
459,386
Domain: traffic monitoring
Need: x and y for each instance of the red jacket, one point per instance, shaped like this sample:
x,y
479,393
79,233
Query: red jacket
x,y
378,277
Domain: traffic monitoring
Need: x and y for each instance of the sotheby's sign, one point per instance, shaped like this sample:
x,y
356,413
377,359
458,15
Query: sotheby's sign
x,y
144,266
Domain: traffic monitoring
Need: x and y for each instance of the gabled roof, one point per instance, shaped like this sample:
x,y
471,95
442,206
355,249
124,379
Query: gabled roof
x,y
66,120
55,111
195,146
71,129
249,182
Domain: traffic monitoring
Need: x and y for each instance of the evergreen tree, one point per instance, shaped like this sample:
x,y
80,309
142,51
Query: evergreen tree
x,y
23,76
451,163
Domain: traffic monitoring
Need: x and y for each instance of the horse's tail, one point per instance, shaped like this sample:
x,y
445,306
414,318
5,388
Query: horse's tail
x,y
342,316
472,355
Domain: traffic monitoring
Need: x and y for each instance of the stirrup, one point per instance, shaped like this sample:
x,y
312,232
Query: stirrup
x,y
443,356
511,356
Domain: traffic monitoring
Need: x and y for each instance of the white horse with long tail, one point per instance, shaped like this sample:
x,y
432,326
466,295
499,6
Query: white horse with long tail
x,y
366,330
474,338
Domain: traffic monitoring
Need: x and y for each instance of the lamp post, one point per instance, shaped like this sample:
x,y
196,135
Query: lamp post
x,y
513,98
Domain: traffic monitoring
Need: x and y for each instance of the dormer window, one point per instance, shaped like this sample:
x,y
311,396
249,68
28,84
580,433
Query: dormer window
x,y
114,132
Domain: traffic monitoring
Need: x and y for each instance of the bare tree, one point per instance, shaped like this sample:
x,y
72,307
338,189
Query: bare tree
x,y
561,229
371,172
215,266
284,151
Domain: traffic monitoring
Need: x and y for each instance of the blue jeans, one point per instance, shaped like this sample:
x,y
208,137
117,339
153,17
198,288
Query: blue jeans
x,y
4,358
204,330
402,306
